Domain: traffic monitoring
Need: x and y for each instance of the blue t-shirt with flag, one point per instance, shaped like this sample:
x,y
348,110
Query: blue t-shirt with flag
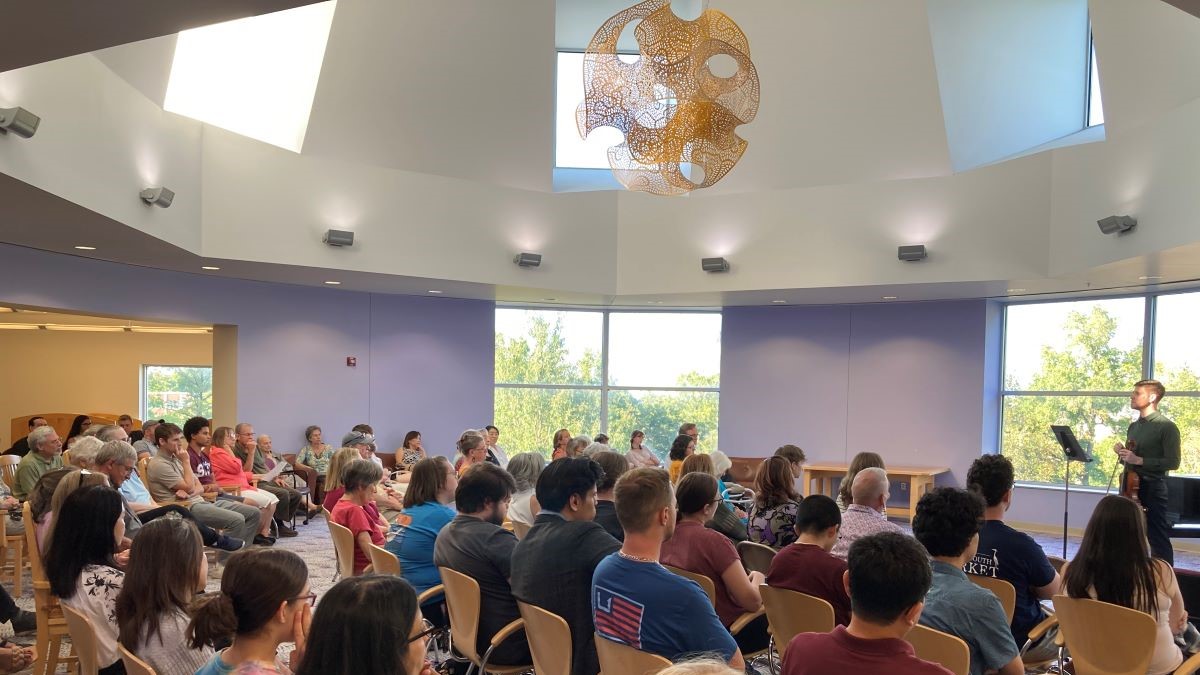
x,y
647,607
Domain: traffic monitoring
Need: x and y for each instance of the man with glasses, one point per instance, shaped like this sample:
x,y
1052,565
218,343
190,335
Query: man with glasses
x,y
45,454
246,449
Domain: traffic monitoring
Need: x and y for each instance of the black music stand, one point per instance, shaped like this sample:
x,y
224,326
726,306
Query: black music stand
x,y
1072,452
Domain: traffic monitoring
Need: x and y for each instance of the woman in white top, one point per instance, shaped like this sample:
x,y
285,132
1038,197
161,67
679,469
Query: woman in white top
x,y
167,568
81,568
525,469
1114,565
639,455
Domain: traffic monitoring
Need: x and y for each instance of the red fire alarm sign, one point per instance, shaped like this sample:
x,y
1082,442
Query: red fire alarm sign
x,y
351,361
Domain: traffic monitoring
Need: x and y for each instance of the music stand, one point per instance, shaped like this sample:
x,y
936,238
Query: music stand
x,y
1072,452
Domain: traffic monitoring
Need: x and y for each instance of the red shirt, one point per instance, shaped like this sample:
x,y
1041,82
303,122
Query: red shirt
x,y
227,469
354,518
807,568
697,549
841,652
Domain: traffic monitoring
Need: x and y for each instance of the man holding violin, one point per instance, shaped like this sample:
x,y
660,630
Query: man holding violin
x,y
1150,451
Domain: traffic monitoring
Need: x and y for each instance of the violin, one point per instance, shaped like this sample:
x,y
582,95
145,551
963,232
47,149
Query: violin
x,y
1131,481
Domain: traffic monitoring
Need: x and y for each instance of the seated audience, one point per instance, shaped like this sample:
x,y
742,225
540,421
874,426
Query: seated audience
x,y
525,469
1005,553
614,465
411,451
868,513
682,447
695,548
167,568
426,511
264,601
79,425
333,478
83,450
20,446
887,578
81,567
312,461
640,455
359,479
795,457
593,448
721,466
1114,565
601,438
690,429
776,502
474,544
807,566
473,447
145,444
72,481
227,473
558,445
863,460
725,519
45,454
552,565
387,501
362,436
126,424
40,503
576,445
495,454
367,625
947,524
199,445
635,600
254,459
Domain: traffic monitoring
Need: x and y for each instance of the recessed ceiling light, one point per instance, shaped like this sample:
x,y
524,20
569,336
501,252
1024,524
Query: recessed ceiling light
x,y
333,283
890,297
436,292
779,302
549,299
654,302
85,248
1016,290
1142,278
210,267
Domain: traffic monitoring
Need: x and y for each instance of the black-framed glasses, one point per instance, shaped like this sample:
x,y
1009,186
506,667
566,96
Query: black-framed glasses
x,y
311,599
430,629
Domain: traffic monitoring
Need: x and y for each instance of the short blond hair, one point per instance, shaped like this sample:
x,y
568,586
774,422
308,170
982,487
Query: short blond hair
x,y
701,667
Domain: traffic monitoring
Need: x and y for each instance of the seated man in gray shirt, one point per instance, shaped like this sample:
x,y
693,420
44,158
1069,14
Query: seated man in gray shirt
x,y
947,523
474,544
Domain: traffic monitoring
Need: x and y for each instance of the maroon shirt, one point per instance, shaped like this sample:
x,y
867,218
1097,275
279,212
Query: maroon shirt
x,y
841,652
807,568
697,549
201,466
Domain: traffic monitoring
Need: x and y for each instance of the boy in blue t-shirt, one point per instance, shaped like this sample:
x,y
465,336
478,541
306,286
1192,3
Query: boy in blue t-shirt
x,y
635,600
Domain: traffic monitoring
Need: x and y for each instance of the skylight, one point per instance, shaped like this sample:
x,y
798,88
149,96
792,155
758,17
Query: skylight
x,y
255,76
571,151
1095,111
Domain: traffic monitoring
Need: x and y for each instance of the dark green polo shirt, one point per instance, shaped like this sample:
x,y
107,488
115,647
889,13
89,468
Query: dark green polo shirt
x,y
1155,439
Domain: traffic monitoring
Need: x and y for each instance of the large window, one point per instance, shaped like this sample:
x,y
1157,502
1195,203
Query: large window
x,y
175,393
610,372
1075,363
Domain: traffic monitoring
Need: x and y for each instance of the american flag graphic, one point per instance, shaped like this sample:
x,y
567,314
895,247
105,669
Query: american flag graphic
x,y
618,618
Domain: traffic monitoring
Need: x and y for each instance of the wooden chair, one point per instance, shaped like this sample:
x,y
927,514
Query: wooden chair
x,y
944,648
384,561
1105,639
1057,562
520,529
706,584
1002,590
791,613
8,469
710,589
66,457
463,605
619,659
343,547
549,640
12,560
142,465
83,637
755,557
51,625
134,665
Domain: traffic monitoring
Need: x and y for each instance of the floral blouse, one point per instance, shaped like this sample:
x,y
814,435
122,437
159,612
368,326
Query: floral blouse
x,y
411,457
96,598
774,526
318,460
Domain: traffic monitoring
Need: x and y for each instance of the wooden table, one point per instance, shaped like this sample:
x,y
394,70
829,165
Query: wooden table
x,y
920,480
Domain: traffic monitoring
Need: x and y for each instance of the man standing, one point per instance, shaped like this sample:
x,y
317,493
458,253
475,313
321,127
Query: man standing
x,y
1151,450
246,449
20,446
45,454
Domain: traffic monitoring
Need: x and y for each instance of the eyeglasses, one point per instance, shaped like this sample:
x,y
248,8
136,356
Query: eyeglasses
x,y
423,636
311,599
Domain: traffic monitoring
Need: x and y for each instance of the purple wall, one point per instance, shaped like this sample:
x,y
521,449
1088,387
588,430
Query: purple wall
x,y
416,368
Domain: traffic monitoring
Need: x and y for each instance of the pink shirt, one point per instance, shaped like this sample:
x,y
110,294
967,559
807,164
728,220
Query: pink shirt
x,y
355,518
227,469
858,522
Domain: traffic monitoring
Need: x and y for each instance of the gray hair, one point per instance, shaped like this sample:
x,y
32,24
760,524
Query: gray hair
x,y
39,436
577,444
593,448
83,451
94,429
525,469
361,473
108,432
120,451
469,440
721,462
869,485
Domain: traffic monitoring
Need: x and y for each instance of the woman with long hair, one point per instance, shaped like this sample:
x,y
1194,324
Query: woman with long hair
x,y
81,567
724,519
776,503
368,625
167,568
264,602
863,460
639,454
682,447
1114,565
313,459
558,445
78,426
360,478
426,512
229,470
412,451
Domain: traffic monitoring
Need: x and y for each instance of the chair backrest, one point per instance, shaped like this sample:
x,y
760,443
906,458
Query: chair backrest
x,y
520,529
343,546
8,469
705,583
66,457
1105,639
1003,590
32,552
1057,562
142,465
134,665
384,561
549,640
944,648
756,557
462,601
83,636
619,659
790,613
